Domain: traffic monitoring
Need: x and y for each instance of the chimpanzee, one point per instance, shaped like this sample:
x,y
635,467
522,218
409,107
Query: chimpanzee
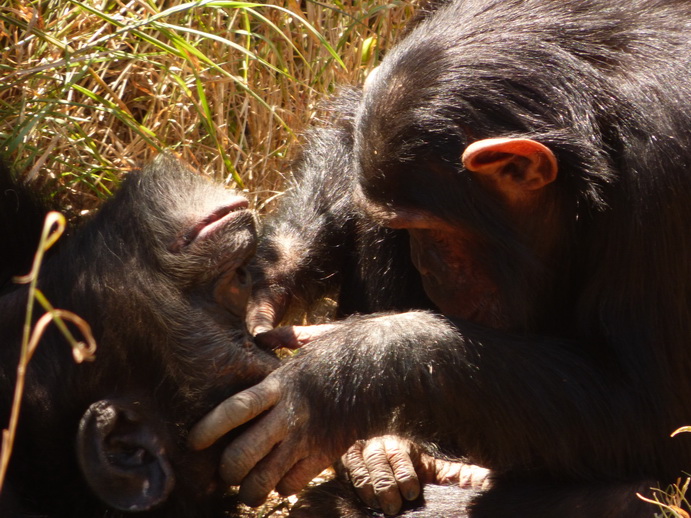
x,y
509,197
160,275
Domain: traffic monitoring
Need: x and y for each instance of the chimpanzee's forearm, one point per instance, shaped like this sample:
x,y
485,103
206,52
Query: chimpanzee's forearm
x,y
418,374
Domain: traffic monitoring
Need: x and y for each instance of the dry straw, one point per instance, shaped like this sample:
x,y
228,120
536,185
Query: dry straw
x,y
91,88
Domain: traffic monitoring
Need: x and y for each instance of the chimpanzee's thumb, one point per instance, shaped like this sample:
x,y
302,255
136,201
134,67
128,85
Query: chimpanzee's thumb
x,y
264,312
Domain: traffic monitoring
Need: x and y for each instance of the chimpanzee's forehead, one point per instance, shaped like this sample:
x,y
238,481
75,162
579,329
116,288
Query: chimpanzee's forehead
x,y
170,185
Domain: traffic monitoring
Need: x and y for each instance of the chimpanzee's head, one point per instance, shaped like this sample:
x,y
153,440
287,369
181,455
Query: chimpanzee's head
x,y
485,150
159,274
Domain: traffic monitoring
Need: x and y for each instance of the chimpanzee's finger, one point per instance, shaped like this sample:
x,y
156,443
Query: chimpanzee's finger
x,y
292,337
267,473
302,472
278,337
382,477
400,458
307,334
472,476
244,455
358,473
234,412
265,310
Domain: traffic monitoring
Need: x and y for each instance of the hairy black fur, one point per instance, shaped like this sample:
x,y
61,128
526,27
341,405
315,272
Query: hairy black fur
x,y
168,350
573,406
18,204
335,498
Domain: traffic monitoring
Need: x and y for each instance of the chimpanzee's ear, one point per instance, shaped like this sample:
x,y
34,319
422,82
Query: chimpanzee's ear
x,y
122,458
515,166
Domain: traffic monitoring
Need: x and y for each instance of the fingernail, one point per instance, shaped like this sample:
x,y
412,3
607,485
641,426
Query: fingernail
x,y
372,503
412,494
390,509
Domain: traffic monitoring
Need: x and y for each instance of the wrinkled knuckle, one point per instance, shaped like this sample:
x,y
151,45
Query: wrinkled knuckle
x,y
449,472
357,447
252,402
400,459
235,464
263,312
473,476
405,476
384,485
355,466
228,411
374,454
360,478
261,482
353,456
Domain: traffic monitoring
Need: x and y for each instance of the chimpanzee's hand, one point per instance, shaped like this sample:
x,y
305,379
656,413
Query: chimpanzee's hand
x,y
273,452
385,470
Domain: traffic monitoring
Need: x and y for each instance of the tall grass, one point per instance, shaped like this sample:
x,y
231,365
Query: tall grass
x,y
89,88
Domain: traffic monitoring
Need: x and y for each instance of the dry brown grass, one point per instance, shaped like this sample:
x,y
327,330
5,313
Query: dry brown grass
x,y
89,88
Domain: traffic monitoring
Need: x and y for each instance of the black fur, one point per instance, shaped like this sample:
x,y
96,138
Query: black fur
x,y
335,498
18,205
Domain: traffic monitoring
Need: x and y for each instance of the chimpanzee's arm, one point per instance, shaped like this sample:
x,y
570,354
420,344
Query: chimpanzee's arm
x,y
505,402
302,252
417,374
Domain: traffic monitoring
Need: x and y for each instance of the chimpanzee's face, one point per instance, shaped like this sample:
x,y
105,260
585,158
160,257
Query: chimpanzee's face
x,y
453,273
201,235
168,279
214,245
450,260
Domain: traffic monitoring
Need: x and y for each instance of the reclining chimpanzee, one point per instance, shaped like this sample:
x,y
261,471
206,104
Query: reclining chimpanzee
x,y
160,275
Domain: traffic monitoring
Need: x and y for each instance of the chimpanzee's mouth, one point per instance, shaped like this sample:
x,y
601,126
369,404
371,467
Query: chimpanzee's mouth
x,y
218,218
209,224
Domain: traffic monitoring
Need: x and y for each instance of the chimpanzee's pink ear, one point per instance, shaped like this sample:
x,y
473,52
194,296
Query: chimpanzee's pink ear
x,y
514,165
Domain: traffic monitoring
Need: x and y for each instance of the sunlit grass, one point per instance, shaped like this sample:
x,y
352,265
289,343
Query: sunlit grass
x,y
91,88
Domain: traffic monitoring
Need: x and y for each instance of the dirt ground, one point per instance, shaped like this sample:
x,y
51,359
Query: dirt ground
x,y
277,506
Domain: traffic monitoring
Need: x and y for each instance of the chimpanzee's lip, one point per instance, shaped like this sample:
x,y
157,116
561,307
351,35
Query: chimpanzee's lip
x,y
206,226
219,217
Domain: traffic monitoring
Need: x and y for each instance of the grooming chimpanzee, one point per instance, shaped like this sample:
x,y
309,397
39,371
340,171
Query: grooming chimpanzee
x,y
159,273
518,171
